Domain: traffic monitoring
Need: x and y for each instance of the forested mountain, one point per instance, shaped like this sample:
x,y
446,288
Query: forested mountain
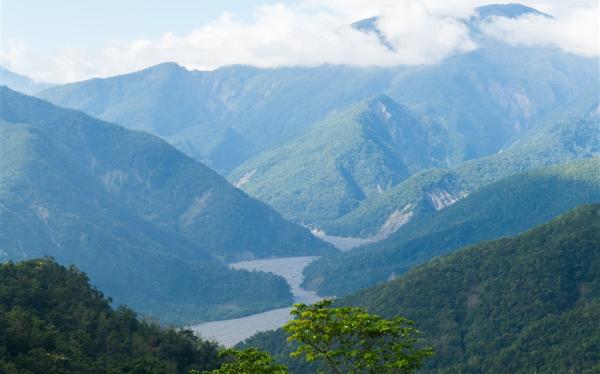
x,y
458,176
507,207
147,223
21,83
524,304
483,99
520,305
571,133
53,321
327,170
220,117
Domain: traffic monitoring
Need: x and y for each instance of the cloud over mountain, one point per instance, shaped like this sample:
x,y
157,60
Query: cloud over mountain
x,y
314,32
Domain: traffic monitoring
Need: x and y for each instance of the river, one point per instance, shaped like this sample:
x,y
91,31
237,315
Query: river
x,y
232,331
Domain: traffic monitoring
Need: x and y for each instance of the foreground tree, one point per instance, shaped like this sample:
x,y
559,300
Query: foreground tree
x,y
249,361
350,340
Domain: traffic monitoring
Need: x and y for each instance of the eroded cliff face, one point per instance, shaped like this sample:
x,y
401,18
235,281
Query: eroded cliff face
x,y
444,196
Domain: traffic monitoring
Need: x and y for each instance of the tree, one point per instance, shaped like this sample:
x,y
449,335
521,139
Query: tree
x,y
350,340
249,361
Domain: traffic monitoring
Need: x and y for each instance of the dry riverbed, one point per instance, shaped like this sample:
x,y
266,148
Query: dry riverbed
x,y
232,331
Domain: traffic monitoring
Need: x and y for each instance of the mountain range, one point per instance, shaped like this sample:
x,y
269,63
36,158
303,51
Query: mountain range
x,y
524,304
326,171
457,125
483,99
571,133
21,83
503,208
462,194
150,225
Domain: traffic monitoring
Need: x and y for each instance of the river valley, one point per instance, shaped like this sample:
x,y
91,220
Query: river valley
x,y
232,331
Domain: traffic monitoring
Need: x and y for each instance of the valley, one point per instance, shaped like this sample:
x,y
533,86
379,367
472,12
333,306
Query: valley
x,y
232,331
300,187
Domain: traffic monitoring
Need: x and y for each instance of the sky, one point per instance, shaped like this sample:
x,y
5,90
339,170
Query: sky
x,y
63,41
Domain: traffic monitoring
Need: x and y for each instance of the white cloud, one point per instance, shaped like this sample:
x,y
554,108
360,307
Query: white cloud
x,y
314,32
576,31
420,36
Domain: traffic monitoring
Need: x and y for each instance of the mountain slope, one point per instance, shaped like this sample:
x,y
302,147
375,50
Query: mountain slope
x,y
525,304
485,306
506,207
238,107
52,320
165,187
484,99
142,219
327,170
48,206
555,141
21,83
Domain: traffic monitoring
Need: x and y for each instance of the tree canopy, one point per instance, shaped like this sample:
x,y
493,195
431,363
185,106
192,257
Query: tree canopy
x,y
350,340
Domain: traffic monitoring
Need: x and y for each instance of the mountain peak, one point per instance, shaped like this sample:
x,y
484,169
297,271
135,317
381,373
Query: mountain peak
x,y
511,10
369,25
388,107
381,99
165,67
20,82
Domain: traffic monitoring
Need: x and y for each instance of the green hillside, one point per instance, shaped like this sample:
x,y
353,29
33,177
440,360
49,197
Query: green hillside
x,y
49,207
524,305
485,99
506,207
164,186
220,117
326,171
529,304
146,222
574,135
53,321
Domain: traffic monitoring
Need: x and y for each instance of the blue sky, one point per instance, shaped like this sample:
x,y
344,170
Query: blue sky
x,y
51,24
70,40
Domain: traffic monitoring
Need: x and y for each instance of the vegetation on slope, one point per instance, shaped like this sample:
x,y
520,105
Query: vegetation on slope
x,y
486,307
337,340
52,321
520,305
148,224
484,98
163,186
553,142
507,207
327,170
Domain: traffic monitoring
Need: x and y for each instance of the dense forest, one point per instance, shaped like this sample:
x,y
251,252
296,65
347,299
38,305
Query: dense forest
x,y
571,133
150,226
504,208
520,305
53,321
300,186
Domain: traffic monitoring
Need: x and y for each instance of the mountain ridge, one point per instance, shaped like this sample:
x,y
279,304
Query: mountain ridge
x,y
325,171
529,303
483,98
503,208
113,202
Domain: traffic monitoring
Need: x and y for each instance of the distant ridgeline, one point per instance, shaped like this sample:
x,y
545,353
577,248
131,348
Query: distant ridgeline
x,y
53,321
336,146
506,207
152,227
521,305
571,133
